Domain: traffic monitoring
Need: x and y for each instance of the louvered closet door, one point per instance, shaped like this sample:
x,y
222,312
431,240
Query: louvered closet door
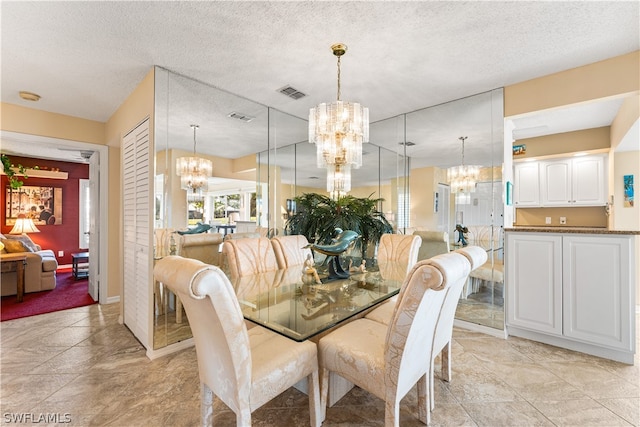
x,y
136,166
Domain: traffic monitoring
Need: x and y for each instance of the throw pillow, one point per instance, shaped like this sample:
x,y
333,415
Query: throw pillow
x,y
14,246
26,241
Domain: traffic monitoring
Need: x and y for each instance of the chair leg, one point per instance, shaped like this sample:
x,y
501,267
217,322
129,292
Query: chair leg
x,y
316,413
445,357
432,382
424,400
392,413
324,392
243,418
206,405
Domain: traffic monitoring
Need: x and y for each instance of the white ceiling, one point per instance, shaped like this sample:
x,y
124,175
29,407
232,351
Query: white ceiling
x,y
85,58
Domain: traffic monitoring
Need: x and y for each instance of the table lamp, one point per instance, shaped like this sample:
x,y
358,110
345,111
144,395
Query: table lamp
x,y
23,226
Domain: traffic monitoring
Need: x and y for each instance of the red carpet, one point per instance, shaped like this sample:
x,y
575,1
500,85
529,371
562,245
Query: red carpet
x,y
68,293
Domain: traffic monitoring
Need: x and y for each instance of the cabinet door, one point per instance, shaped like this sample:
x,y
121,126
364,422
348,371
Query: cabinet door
x,y
526,187
597,291
534,282
588,181
555,182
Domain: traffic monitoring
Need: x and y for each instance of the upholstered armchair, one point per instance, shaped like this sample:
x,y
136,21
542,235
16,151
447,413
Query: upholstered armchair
x,y
244,368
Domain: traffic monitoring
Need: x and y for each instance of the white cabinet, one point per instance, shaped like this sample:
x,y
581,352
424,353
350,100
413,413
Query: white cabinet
x,y
572,290
597,291
526,188
555,182
534,264
575,181
588,181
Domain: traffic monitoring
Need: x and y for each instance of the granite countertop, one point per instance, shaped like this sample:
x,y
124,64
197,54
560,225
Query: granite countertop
x,y
574,230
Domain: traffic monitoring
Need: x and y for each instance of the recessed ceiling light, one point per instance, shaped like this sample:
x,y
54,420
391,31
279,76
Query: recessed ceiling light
x,y
29,96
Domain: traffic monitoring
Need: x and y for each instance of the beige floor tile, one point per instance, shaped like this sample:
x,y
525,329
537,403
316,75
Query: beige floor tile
x,y
581,412
626,408
506,414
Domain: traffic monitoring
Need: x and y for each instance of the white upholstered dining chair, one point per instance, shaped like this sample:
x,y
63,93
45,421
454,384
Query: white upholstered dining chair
x,y
397,254
249,256
388,360
244,368
291,250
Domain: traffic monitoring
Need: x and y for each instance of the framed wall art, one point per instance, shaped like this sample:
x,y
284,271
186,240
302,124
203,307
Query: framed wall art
x,y
42,204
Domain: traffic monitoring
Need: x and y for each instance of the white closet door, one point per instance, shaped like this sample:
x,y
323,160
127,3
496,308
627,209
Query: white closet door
x,y
136,169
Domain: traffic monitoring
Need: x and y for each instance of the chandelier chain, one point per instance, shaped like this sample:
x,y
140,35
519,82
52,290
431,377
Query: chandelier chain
x,y
194,137
338,78
463,138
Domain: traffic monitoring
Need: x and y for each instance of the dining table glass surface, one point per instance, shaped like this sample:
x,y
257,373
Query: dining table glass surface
x,y
281,302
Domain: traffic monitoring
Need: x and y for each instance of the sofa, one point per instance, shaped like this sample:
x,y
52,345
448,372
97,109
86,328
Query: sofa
x,y
40,271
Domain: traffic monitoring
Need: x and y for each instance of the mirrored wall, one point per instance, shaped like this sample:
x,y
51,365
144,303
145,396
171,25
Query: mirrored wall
x,y
262,160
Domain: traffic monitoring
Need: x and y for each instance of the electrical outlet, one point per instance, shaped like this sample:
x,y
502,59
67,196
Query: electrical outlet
x,y
547,220
563,220
60,253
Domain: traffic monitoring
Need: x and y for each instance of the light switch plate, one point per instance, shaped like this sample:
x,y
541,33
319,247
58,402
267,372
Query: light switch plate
x,y
60,254
563,220
547,220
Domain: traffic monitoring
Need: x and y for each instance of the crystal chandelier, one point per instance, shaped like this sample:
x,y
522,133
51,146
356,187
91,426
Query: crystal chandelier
x,y
194,173
338,129
463,178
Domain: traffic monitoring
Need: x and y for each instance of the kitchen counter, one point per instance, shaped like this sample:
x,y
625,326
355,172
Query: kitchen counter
x,y
573,230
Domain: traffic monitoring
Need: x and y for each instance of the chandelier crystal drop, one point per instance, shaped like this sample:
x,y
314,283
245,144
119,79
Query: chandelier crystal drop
x,y
339,129
194,173
463,178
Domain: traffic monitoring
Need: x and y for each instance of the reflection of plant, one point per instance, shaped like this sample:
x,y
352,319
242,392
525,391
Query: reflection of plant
x,y
8,167
318,216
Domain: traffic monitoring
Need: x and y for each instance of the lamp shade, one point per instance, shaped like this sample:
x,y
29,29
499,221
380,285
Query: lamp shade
x,y
24,225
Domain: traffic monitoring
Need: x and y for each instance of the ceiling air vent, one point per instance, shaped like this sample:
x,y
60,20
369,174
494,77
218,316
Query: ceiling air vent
x,y
240,116
291,92
407,144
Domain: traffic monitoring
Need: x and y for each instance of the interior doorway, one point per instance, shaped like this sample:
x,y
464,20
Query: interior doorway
x,y
82,152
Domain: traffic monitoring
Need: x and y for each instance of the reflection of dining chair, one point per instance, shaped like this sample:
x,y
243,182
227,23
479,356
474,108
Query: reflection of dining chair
x,y
433,243
388,360
244,368
397,254
291,250
204,247
249,256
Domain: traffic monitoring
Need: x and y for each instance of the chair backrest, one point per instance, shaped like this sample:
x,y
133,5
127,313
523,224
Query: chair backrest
x,y
470,257
412,327
249,256
433,243
399,249
204,247
242,235
215,318
291,250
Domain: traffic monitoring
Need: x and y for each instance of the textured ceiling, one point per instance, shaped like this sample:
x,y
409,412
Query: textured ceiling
x,y
85,58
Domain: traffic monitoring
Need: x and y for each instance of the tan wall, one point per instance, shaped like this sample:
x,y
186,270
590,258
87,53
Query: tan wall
x,y
613,76
627,116
626,218
15,118
594,216
424,183
564,143
136,108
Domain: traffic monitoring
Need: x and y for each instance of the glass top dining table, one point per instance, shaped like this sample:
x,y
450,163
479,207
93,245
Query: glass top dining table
x,y
280,301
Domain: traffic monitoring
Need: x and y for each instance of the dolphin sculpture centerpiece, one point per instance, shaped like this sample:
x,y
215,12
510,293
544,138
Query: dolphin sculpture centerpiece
x,y
340,244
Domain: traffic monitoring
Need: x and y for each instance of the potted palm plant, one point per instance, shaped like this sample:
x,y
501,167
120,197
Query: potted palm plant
x,y
318,216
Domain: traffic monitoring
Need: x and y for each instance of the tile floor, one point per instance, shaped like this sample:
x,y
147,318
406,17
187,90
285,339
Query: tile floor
x,y
83,367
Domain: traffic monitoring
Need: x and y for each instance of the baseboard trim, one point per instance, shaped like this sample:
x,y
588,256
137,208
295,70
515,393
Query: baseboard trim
x,y
154,354
474,327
